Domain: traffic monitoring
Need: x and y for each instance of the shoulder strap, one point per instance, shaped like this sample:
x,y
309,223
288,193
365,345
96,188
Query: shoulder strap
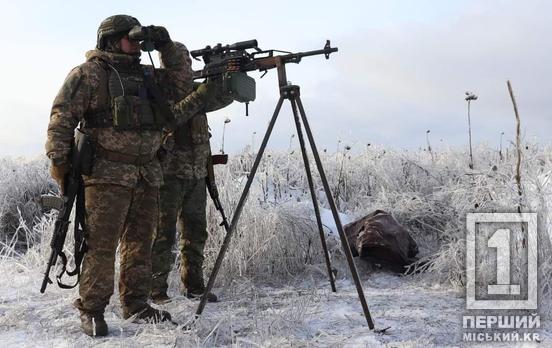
x,y
103,85
101,118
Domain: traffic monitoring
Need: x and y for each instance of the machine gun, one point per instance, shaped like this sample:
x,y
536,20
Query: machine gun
x,y
232,62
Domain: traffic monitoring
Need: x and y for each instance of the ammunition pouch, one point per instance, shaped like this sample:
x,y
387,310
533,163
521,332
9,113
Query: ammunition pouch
x,y
123,118
121,109
131,113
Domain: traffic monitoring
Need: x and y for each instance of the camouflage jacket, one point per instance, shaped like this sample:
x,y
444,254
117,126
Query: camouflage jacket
x,y
187,148
80,96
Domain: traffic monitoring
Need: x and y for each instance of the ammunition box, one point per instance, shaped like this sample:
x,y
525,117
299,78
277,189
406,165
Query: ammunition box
x,y
240,86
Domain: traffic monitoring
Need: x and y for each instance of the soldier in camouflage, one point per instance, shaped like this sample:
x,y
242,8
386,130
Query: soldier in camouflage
x,y
183,200
112,96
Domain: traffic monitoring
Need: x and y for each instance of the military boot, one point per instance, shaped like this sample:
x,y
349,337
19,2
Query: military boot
x,y
160,298
192,277
148,314
93,324
198,293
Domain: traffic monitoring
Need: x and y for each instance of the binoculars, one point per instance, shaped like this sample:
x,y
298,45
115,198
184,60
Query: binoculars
x,y
146,35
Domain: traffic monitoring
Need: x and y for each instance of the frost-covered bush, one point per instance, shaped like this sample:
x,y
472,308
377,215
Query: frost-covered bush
x,y
22,181
430,194
277,238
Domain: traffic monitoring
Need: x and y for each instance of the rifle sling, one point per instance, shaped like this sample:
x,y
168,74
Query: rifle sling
x,y
80,240
79,230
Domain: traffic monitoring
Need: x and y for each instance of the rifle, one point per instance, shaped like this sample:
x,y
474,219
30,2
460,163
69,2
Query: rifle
x,y
212,187
72,193
232,62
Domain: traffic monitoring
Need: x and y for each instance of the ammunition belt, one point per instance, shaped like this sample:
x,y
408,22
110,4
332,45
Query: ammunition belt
x,y
137,160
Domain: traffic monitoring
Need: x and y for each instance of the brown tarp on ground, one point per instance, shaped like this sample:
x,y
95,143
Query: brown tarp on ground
x,y
379,238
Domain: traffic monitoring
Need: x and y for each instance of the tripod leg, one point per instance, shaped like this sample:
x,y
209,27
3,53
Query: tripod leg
x,y
312,192
344,242
238,211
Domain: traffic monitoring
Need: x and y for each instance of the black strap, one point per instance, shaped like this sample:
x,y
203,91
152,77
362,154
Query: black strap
x,y
80,241
79,230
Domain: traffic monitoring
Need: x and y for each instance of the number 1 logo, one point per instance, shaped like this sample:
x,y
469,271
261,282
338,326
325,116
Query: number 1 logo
x,y
500,240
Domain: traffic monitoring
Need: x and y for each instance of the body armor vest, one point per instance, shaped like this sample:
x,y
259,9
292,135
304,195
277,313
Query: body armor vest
x,y
126,100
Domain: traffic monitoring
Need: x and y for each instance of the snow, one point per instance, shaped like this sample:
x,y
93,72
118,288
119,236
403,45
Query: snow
x,y
305,313
328,221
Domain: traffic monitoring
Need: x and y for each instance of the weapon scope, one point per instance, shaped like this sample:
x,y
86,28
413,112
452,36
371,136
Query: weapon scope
x,y
218,48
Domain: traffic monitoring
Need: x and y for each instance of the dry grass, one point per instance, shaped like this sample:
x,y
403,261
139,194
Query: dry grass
x,y
276,239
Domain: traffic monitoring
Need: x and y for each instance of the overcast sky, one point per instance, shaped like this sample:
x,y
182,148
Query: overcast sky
x,y
402,66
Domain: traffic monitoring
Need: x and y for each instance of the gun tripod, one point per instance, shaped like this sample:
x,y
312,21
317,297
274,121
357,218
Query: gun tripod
x,y
292,93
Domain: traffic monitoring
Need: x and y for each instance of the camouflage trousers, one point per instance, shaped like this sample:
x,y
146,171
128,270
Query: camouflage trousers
x,y
182,207
125,217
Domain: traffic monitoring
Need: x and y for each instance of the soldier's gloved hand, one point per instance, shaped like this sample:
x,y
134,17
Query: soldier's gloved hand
x,y
58,172
207,91
160,37
197,101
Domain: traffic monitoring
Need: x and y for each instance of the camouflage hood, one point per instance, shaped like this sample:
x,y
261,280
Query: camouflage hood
x,y
119,59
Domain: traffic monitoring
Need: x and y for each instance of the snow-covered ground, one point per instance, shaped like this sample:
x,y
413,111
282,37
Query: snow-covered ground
x,y
306,314
303,314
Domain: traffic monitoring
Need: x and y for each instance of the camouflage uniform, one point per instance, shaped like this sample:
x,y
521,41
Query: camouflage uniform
x,y
183,200
122,196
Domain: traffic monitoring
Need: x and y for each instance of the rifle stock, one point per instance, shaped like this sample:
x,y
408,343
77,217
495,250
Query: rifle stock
x,y
46,280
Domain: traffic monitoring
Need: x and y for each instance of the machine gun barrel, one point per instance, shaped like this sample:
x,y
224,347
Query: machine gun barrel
x,y
271,61
296,57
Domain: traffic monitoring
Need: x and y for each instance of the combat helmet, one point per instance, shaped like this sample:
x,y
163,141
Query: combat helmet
x,y
114,25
